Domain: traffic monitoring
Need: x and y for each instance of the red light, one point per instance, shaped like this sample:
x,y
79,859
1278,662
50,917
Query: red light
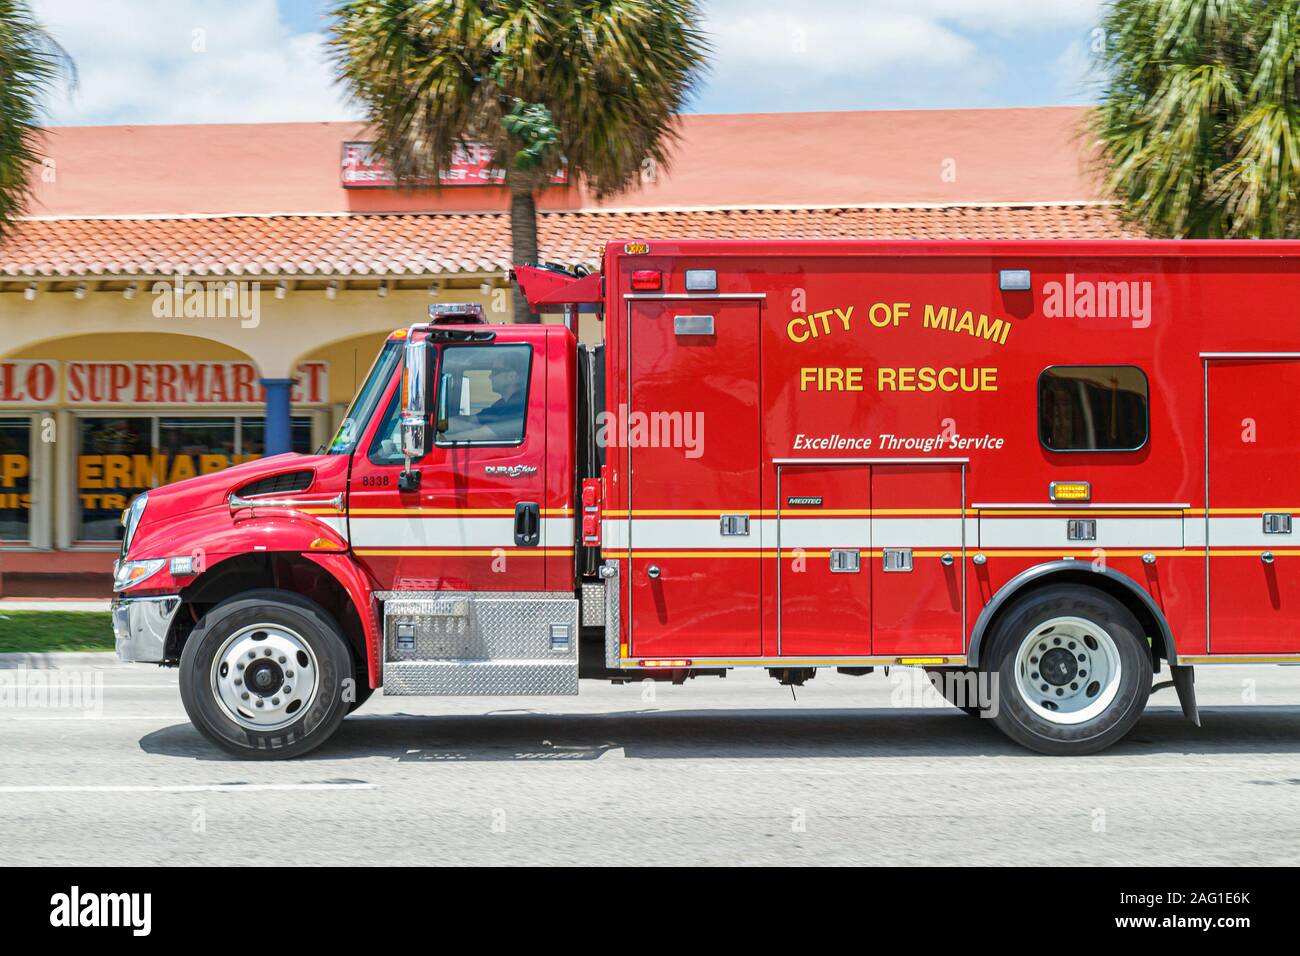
x,y
646,279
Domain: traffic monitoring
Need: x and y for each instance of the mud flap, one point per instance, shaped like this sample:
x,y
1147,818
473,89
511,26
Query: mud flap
x,y
1184,682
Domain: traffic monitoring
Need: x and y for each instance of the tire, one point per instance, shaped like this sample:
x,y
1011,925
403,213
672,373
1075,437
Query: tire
x,y
309,658
1095,674
955,692
363,691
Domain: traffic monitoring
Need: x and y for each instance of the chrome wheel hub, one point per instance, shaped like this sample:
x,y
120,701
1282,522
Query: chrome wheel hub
x,y
264,676
1067,670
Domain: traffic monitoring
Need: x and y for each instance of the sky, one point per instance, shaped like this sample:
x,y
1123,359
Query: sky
x,y
215,61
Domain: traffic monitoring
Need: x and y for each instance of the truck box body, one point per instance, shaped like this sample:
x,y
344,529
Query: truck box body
x,y
885,397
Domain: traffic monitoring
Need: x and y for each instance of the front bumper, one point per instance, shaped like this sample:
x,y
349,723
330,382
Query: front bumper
x,y
140,627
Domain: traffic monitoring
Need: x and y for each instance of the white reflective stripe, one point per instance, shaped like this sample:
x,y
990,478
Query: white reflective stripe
x,y
556,532
1051,532
1186,531
337,525
1249,532
656,533
452,532
613,534
915,533
824,533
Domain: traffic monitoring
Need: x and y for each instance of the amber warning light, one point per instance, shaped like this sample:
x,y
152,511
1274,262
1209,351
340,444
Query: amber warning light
x,y
1070,491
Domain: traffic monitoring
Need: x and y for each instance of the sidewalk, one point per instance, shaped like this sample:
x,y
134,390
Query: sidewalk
x,y
53,604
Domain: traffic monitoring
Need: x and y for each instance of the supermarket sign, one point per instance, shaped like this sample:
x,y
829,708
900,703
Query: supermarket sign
x,y
126,384
471,165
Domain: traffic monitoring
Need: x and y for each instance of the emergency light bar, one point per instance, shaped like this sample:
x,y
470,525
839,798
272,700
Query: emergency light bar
x,y
457,313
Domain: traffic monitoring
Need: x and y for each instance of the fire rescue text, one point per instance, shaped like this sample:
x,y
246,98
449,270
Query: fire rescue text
x,y
904,379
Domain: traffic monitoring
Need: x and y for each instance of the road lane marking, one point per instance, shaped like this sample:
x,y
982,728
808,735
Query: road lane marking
x,y
95,717
193,788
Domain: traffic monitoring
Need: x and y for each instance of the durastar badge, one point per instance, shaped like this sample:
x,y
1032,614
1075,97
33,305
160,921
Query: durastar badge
x,y
510,471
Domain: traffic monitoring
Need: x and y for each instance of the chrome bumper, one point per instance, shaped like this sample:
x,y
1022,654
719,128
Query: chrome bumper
x,y
140,627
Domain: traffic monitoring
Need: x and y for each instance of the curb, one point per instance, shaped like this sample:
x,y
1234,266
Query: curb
x,y
56,660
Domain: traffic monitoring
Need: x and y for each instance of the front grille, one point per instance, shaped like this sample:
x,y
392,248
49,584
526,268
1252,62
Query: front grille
x,y
286,483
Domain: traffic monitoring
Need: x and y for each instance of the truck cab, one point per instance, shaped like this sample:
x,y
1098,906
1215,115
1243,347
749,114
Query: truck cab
x,y
429,547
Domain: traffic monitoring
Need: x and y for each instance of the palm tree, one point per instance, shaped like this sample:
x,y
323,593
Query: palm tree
x,y
594,84
1200,120
30,62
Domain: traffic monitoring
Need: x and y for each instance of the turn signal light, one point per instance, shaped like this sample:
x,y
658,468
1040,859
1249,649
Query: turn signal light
x,y
1070,490
647,280
672,663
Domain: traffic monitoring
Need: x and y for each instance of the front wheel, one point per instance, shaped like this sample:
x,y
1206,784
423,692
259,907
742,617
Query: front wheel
x,y
263,675
1073,670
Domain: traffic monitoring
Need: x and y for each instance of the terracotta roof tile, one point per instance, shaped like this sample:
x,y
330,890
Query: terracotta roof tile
x,y
429,244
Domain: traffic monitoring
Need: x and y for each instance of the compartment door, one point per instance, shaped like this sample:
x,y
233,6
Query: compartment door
x,y
918,561
1254,502
691,427
824,533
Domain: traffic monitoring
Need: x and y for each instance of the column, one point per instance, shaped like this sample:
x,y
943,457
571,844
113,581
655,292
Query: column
x,y
278,431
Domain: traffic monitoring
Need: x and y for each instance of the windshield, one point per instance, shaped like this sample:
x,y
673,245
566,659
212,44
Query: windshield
x,y
363,406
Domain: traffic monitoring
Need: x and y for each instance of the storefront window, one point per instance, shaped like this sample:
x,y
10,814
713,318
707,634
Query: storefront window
x,y
253,431
15,479
121,457
115,462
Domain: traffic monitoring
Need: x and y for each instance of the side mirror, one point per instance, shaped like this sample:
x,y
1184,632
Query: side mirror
x,y
415,400
444,405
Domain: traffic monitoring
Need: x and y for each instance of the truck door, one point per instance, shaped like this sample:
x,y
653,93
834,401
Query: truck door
x,y
917,559
871,558
474,523
1254,502
692,436
824,535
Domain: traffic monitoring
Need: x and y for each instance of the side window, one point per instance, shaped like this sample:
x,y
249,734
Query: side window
x,y
386,446
1093,408
483,392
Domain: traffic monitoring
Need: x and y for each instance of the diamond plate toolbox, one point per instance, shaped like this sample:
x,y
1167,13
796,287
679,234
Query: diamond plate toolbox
x,y
480,643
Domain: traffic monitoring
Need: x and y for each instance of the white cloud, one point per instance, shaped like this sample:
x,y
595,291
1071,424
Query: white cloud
x,y
819,54
190,61
173,61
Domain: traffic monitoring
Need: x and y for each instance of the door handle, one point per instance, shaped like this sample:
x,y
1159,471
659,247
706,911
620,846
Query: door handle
x,y
652,571
1267,557
946,560
528,524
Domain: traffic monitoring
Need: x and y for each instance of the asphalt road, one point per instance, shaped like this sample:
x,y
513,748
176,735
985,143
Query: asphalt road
x,y
718,771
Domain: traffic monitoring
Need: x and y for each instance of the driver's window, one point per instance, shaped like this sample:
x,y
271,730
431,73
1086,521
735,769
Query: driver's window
x,y
482,394
386,446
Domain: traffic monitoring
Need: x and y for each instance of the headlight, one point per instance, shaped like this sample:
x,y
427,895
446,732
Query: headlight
x,y
127,574
131,519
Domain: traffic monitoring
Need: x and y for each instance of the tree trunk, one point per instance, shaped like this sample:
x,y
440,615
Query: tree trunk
x,y
523,238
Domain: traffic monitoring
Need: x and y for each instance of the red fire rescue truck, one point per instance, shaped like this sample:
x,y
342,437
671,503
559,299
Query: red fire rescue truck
x,y
1050,469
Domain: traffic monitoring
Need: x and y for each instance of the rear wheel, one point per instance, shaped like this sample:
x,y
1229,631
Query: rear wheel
x,y
263,675
1073,670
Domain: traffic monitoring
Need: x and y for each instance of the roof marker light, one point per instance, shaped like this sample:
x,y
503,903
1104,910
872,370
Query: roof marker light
x,y
701,280
1014,280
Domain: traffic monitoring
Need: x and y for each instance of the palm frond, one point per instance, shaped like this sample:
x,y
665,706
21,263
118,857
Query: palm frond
x,y
31,63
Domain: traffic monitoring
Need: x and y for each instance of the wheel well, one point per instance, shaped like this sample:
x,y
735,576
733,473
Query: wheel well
x,y
1153,627
285,570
